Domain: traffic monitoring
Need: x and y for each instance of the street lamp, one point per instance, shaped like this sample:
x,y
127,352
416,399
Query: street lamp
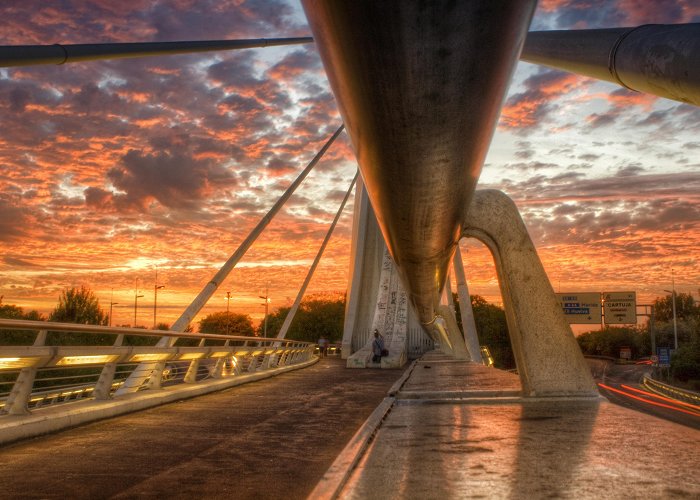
x,y
111,304
228,318
266,304
156,287
673,305
136,299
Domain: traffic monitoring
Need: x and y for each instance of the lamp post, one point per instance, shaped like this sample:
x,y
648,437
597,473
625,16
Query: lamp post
x,y
136,299
111,304
228,318
156,287
651,331
672,291
266,304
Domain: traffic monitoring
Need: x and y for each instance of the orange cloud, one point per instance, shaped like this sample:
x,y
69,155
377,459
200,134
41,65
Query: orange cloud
x,y
529,108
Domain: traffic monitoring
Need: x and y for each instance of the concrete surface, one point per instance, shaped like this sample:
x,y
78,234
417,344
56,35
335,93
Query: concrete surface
x,y
376,297
459,430
55,418
547,355
270,439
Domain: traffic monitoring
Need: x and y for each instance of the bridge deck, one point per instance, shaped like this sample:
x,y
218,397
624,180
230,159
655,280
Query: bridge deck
x,y
449,434
271,439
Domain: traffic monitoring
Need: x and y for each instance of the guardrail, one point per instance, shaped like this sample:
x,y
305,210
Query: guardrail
x,y
671,391
48,372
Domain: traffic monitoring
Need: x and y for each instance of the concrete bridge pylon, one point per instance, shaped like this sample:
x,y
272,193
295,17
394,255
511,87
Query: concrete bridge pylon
x,y
547,355
378,300
548,358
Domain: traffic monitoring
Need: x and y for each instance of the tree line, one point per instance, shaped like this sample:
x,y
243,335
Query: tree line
x,y
323,315
685,362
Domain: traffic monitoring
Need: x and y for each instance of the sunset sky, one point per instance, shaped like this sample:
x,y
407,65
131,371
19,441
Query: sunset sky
x,y
109,169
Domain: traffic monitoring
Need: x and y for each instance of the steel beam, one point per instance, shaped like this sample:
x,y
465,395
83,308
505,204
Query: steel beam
x,y
29,55
420,86
659,59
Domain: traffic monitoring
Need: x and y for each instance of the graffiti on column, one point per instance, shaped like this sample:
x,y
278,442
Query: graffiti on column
x,y
391,313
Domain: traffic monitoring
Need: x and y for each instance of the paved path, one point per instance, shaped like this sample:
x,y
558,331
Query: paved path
x,y
270,439
456,430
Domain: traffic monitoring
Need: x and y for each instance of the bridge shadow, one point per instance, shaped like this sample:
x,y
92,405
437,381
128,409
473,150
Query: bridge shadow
x,y
552,441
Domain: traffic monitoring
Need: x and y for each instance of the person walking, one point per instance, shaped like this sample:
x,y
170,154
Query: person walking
x,y
377,347
322,346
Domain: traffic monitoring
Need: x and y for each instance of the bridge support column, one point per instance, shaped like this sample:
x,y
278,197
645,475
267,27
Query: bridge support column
x,y
471,338
375,298
547,355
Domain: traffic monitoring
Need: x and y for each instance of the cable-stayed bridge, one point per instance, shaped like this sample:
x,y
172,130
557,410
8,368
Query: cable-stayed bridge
x,y
419,87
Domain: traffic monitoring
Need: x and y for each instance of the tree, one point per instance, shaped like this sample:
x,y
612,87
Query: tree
x,y
317,316
17,337
9,311
609,340
686,308
686,331
685,363
492,329
238,324
79,305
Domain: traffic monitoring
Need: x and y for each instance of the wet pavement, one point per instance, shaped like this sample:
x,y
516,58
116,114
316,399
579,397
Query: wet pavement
x,y
447,438
622,385
273,438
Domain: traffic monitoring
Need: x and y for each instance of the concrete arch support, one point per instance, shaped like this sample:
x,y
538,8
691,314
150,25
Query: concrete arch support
x,y
547,355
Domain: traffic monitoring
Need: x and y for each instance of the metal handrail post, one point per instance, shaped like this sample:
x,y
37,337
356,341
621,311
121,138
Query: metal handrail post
x,y
17,402
104,383
218,370
191,375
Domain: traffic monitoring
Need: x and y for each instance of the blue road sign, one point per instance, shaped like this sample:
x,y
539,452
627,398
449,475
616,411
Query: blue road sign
x,y
664,356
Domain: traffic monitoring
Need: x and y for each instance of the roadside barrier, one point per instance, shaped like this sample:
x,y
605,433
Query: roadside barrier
x,y
671,391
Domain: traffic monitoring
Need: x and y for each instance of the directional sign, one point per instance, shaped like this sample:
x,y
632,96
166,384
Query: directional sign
x,y
581,308
620,308
664,356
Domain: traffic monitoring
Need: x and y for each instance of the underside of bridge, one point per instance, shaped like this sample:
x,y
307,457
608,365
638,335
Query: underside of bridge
x,y
420,87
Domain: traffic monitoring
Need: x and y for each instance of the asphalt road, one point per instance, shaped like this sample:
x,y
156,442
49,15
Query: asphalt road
x,y
273,438
621,385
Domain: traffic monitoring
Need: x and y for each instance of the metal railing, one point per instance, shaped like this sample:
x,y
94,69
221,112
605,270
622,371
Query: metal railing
x,y
671,391
49,372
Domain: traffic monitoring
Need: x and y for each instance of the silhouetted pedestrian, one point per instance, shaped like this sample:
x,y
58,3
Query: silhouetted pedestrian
x,y
322,346
377,347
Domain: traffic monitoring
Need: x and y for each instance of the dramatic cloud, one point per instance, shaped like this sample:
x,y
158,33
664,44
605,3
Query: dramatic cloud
x,y
528,110
13,222
175,180
111,168
590,14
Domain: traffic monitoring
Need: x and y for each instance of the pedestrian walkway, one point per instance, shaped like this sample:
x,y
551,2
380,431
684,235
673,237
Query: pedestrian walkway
x,y
461,430
270,439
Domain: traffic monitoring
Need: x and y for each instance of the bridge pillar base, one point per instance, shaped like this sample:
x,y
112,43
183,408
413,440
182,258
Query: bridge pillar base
x,y
547,356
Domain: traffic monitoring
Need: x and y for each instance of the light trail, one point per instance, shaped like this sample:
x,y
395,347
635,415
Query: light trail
x,y
644,400
663,398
